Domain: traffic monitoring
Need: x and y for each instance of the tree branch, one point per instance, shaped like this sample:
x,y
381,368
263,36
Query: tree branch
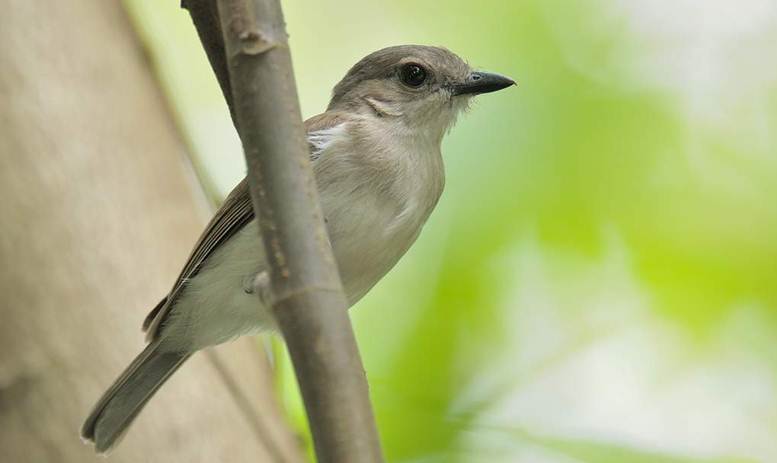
x,y
206,20
308,303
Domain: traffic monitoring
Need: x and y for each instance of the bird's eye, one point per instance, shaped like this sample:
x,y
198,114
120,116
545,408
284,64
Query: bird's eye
x,y
412,75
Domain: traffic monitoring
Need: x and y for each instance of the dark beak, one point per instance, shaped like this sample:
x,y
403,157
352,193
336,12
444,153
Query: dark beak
x,y
482,82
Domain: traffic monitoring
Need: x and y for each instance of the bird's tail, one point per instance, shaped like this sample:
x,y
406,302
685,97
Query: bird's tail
x,y
122,402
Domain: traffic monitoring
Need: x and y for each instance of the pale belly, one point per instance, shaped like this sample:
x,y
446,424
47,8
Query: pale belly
x,y
214,306
217,305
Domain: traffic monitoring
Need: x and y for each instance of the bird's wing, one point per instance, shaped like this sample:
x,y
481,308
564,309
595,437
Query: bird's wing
x,y
235,213
229,219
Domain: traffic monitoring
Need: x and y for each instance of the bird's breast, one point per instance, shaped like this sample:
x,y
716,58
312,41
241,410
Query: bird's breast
x,y
375,209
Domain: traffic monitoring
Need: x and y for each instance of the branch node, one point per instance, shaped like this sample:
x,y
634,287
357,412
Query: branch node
x,y
253,42
313,290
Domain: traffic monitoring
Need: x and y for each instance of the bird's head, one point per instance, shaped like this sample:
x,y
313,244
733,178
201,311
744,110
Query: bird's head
x,y
413,87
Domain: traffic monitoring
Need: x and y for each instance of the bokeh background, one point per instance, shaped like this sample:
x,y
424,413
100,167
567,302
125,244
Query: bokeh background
x,y
599,281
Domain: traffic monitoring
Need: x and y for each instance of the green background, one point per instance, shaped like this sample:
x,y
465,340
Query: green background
x,y
599,281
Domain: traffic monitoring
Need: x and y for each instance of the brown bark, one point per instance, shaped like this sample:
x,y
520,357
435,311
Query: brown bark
x,y
308,300
99,210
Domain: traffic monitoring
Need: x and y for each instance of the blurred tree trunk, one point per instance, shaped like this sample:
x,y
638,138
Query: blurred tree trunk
x,y
98,211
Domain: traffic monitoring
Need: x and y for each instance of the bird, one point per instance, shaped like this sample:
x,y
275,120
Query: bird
x,y
377,160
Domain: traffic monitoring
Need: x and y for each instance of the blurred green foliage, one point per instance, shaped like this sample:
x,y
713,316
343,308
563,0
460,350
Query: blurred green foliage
x,y
599,282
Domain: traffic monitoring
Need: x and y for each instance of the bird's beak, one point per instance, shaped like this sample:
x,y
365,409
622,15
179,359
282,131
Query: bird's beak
x,y
482,82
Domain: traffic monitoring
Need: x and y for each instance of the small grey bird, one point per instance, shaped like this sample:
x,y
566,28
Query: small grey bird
x,y
378,166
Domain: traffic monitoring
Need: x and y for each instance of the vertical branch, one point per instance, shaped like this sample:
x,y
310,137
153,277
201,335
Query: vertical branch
x,y
308,301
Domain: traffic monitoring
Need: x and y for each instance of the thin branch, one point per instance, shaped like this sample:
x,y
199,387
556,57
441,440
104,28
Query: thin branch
x,y
205,16
308,301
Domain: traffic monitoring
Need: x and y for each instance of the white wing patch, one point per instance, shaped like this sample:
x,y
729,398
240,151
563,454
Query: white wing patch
x,y
321,140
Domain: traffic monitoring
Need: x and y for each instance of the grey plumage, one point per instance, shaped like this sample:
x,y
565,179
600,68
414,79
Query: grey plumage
x,y
378,166
121,403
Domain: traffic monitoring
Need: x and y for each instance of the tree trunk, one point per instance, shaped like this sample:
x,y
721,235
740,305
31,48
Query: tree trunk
x,y
98,211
